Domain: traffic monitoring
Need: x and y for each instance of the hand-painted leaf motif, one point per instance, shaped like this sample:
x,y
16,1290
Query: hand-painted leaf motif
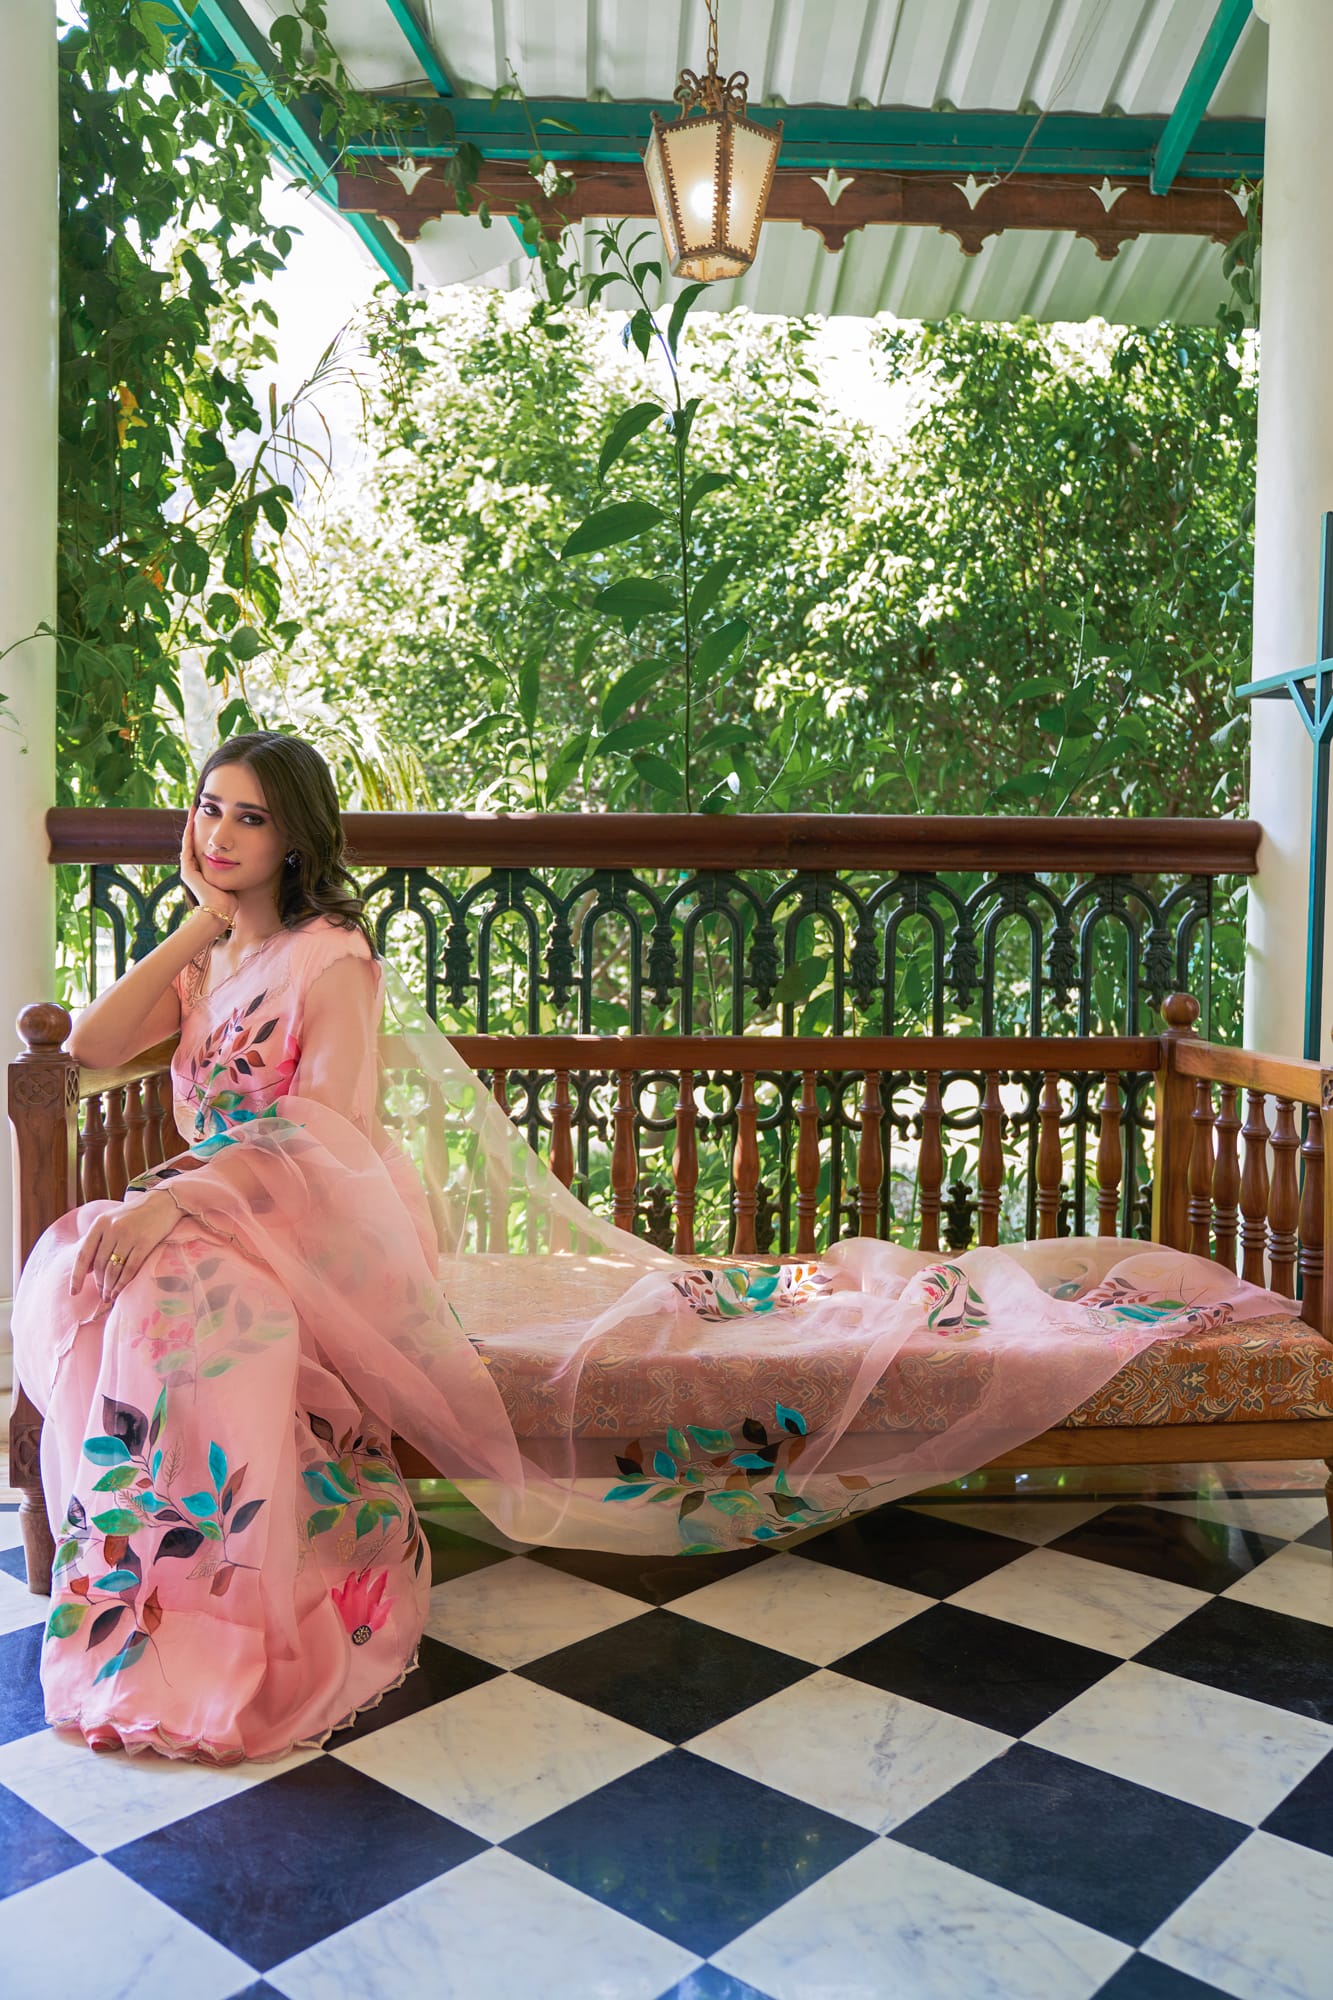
x,y
114,1548
221,1583
710,1440
179,1542
66,1618
664,1465
199,1504
217,1466
105,1624
788,1504
384,1475
791,1420
628,1492
119,1521
629,1466
234,1485
691,1503
127,1658
116,1580
74,1513
66,1553
122,1420
323,1519
752,1460
320,1487
735,1503
322,1428
677,1444
159,1418
113,1481
210,1531
106,1450
753,1431
151,1613
262,1034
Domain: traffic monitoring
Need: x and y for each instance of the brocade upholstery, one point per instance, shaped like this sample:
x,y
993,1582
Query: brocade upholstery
x,y
1262,1371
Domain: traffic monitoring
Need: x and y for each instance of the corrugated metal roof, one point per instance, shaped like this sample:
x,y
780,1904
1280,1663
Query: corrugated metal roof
x,y
1021,56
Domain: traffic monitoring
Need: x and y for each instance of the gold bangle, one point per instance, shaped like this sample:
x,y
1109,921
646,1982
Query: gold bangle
x,y
225,921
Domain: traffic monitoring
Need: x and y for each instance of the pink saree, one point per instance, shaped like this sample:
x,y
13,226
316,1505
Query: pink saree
x,y
239,1566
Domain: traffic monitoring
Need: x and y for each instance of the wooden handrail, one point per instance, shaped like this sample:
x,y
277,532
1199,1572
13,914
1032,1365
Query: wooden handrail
x,y
1246,1069
815,841
821,1053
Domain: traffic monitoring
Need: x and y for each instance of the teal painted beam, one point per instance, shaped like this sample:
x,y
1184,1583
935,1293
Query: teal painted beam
x,y
818,136
1219,45
414,34
237,58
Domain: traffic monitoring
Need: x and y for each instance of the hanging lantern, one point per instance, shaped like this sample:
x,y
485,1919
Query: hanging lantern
x,y
710,171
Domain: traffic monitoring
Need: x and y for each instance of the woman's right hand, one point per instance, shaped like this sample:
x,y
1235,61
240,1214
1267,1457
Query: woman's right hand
x,y
192,875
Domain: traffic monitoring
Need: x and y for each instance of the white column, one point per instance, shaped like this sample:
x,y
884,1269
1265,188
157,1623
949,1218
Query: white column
x,y
28,348
1294,488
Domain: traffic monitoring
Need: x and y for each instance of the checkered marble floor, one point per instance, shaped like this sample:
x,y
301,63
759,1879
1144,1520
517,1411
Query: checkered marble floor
x,y
1012,1749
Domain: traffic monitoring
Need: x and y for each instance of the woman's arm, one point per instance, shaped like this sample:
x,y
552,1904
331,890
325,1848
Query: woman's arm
x,y
339,1053
142,1007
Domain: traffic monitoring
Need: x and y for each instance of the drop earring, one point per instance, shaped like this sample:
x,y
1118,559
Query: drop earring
x,y
293,858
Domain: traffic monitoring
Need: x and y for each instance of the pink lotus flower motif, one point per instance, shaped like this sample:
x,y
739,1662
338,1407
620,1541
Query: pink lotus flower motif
x,y
362,1605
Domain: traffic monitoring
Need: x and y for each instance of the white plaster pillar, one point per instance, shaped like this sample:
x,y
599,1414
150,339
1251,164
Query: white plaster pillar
x,y
28,350
1294,488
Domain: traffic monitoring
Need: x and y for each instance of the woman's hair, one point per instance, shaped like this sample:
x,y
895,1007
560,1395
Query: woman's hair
x,y
300,794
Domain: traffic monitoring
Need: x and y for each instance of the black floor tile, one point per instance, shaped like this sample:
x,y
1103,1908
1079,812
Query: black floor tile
x,y
440,1671
667,1674
1318,1537
1180,1548
651,1579
32,1847
261,1990
709,1982
1246,1650
1145,1979
1001,1675
919,1552
1306,1814
453,1555
272,1870
691,1850
22,1711
1105,1852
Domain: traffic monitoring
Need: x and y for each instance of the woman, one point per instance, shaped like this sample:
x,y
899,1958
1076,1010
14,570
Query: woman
x,y
358,1243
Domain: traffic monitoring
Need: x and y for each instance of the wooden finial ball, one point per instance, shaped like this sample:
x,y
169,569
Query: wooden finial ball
x,y
1181,1010
43,1026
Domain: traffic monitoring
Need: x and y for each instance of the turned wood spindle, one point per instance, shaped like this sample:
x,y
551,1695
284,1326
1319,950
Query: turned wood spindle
x,y
624,1155
155,1102
562,1131
115,1144
1312,1221
1050,1157
1226,1178
685,1164
1110,1157
1254,1189
1202,1168
930,1163
807,1165
92,1152
1284,1200
745,1169
136,1119
500,1089
869,1157
990,1166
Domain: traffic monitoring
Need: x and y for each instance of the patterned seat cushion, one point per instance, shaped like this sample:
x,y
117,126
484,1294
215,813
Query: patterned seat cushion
x,y
1260,1371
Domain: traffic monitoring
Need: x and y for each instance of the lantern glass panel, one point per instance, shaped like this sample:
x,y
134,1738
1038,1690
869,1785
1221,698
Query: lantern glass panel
x,y
655,170
753,152
691,147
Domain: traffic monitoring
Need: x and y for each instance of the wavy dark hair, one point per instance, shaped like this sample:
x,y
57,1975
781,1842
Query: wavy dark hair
x,y
300,793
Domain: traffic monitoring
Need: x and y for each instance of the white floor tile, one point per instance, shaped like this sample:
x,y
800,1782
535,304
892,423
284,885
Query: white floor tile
x,y
19,1606
1260,1927
1091,1603
1287,1515
10,1535
513,1612
1297,1580
105,1801
871,1757
502,1755
1221,1751
494,1927
92,1934
807,1609
891,1924
1035,1521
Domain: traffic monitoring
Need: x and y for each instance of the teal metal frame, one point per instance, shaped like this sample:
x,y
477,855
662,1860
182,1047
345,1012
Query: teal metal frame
x,y
235,56
1219,45
413,30
1311,689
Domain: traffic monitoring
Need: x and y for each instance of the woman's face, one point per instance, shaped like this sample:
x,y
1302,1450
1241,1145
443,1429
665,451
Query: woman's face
x,y
236,838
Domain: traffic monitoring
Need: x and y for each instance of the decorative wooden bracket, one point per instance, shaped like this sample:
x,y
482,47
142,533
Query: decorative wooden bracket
x,y
1106,217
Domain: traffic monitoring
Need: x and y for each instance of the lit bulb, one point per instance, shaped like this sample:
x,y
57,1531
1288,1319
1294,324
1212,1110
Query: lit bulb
x,y
701,201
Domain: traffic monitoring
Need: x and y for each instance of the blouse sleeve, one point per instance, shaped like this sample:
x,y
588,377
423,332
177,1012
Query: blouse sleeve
x,y
339,1027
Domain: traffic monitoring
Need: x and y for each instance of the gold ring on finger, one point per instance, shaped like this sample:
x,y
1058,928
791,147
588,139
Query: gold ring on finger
x,y
115,1258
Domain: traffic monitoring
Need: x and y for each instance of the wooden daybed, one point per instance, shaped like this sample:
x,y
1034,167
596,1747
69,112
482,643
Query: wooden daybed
x,y
1252,1194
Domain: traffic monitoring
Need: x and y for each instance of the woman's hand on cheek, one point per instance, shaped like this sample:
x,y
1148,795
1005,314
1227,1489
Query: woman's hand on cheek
x,y
115,1248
